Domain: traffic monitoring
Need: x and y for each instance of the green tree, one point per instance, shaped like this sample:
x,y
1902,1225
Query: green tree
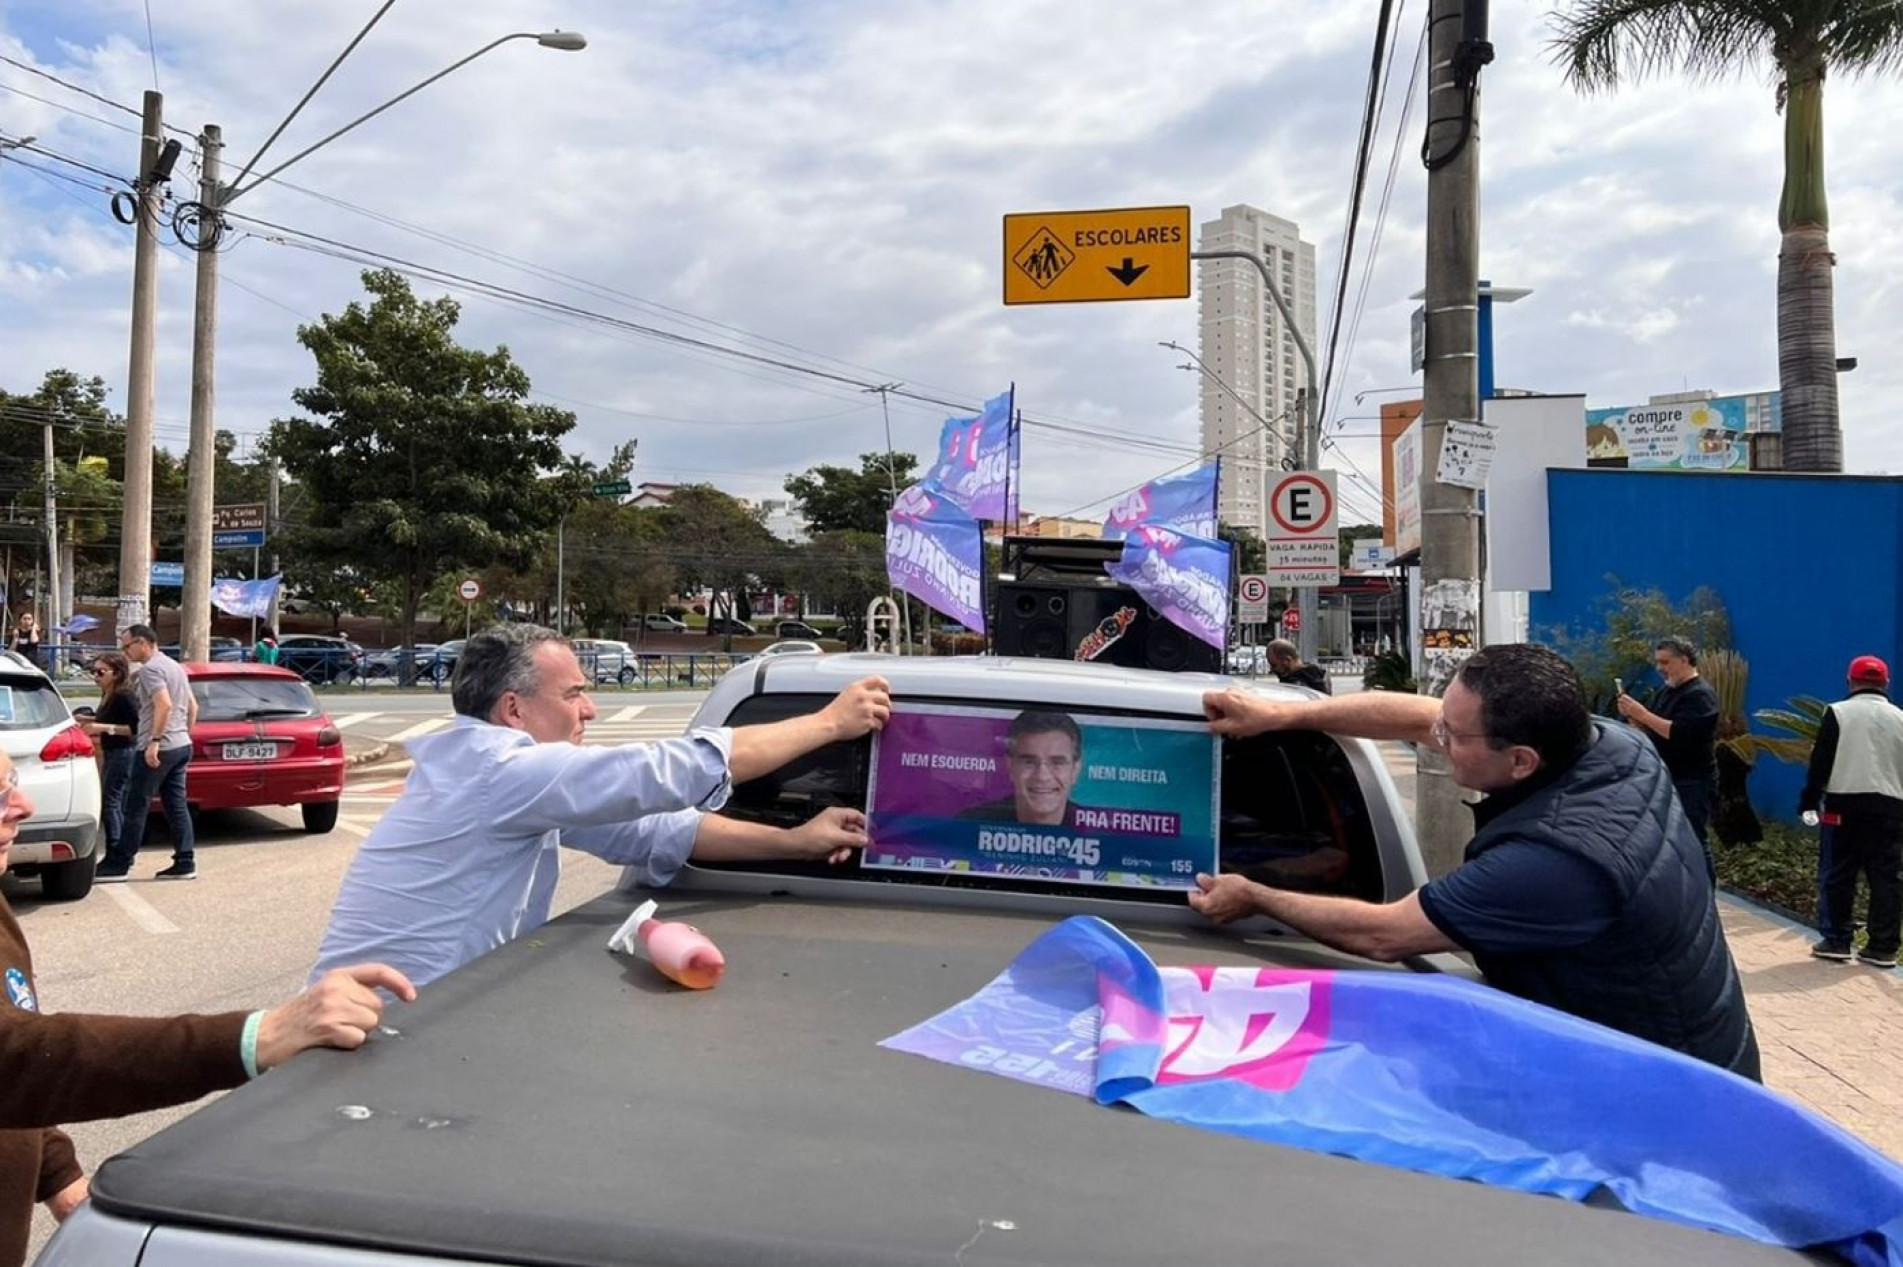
x,y
1250,552
715,543
838,499
423,456
1601,43
843,570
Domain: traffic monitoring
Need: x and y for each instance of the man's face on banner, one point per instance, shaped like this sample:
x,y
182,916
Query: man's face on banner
x,y
1044,768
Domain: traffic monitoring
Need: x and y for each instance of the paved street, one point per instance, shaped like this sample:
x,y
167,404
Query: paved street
x,y
244,934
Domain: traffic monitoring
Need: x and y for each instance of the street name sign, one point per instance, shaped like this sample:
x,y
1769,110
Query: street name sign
x,y
236,526
613,488
1304,536
1073,257
164,573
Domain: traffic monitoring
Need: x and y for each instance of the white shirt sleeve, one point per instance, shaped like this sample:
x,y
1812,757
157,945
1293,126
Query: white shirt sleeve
x,y
657,843
538,787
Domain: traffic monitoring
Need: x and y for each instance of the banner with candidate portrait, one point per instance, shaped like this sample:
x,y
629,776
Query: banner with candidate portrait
x,y
974,468
1185,578
934,551
1043,794
1183,503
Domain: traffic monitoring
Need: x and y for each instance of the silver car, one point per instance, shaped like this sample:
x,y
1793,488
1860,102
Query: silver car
x,y
60,843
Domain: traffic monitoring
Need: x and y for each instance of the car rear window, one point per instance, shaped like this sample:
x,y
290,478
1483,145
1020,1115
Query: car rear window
x,y
247,699
1291,810
29,703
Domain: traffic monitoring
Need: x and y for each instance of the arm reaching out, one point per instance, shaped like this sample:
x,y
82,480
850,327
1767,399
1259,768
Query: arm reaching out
x,y
858,710
1237,714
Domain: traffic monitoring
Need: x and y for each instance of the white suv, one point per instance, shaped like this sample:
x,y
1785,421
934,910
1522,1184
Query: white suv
x,y
60,843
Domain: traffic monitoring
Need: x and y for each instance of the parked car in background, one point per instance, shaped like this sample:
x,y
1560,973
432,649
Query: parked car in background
x,y
320,657
440,667
262,739
728,625
223,650
606,660
1248,660
54,760
794,647
655,622
797,629
388,662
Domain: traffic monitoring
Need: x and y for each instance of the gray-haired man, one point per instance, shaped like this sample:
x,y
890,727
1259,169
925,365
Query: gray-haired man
x,y
467,858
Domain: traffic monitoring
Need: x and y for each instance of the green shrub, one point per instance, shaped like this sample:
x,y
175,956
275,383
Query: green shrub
x,y
1389,671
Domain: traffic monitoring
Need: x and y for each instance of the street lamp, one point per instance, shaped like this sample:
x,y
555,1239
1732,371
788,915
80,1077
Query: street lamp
x,y
206,221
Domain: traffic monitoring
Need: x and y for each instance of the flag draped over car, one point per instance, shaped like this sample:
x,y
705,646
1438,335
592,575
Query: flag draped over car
x,y
1428,1073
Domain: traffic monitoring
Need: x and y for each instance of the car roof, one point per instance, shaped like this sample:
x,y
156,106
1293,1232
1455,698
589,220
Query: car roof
x,y
239,668
14,662
1008,679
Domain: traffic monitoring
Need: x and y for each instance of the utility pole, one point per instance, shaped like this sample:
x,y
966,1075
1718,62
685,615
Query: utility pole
x,y
202,461
1450,516
135,542
53,620
271,531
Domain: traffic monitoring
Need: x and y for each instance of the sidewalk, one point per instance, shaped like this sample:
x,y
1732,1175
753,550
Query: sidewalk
x,y
1831,1034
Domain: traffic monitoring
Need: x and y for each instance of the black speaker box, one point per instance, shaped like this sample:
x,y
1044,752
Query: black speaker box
x,y
1049,620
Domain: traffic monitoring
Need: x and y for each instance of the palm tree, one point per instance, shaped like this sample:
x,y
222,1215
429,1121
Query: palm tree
x,y
1602,42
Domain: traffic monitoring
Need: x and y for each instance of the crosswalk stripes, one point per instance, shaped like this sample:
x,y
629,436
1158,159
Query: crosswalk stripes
x,y
629,713
344,721
419,729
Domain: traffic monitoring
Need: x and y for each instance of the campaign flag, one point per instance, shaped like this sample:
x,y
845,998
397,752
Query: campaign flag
x,y
245,598
974,464
1044,795
933,551
1014,475
1186,578
1429,1073
79,624
1185,503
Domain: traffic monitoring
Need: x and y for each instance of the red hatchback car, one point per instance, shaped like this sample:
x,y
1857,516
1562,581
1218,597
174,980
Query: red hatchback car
x,y
262,739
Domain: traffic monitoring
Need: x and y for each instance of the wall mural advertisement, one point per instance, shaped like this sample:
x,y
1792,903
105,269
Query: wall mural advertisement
x,y
1043,794
1697,435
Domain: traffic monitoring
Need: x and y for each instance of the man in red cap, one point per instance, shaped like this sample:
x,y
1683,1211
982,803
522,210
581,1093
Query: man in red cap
x,y
1856,776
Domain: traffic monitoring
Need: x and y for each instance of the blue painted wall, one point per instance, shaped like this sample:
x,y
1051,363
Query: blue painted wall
x,y
1807,566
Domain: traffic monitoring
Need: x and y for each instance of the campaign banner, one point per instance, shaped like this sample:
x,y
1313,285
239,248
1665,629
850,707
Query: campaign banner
x,y
1426,1072
245,598
1185,578
1041,794
933,551
1184,503
1014,474
974,463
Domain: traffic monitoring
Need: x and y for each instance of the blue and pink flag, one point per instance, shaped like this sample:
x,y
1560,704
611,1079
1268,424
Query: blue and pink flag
x,y
1185,503
244,598
975,466
934,551
1185,578
1427,1073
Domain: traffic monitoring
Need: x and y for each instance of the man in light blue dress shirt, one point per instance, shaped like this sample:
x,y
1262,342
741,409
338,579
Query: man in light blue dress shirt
x,y
468,857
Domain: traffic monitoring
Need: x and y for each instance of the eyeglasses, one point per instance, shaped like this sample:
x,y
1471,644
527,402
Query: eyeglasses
x,y
1441,734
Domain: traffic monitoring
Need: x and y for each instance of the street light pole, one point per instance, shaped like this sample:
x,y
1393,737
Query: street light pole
x,y
1306,597
207,224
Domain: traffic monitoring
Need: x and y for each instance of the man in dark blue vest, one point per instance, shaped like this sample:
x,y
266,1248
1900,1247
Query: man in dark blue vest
x,y
1584,887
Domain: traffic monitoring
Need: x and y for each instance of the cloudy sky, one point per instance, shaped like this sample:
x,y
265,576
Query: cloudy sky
x,y
821,182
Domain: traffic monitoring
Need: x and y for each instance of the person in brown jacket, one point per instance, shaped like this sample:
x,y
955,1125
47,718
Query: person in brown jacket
x,y
77,1068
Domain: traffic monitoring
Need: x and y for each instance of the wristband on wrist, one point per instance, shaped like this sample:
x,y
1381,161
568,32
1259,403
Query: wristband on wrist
x,y
248,1044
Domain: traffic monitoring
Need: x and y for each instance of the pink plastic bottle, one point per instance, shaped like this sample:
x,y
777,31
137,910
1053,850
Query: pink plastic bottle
x,y
680,951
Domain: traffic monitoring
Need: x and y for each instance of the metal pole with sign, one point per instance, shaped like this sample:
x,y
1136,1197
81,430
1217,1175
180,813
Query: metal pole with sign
x,y
469,591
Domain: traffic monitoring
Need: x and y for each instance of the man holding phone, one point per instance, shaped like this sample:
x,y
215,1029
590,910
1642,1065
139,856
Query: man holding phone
x,y
1683,725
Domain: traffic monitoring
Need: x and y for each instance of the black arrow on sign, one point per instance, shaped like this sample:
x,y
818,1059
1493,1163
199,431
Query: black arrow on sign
x,y
1129,272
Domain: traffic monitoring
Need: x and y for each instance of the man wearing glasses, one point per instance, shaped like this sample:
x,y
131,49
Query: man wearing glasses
x,y
1584,887
161,748
1044,754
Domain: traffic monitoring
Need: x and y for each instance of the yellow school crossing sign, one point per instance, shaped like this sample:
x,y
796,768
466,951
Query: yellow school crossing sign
x,y
1071,257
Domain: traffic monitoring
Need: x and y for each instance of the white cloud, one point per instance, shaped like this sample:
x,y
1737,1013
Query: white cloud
x,y
829,177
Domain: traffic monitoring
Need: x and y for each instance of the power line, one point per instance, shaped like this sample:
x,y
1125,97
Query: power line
x,y
85,92
1357,186
60,105
151,45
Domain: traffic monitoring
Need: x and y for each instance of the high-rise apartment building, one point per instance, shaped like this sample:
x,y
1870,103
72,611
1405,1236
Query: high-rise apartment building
x,y
1247,345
